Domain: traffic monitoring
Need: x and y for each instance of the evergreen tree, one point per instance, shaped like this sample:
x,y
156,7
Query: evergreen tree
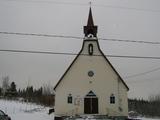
x,y
0,91
13,87
5,84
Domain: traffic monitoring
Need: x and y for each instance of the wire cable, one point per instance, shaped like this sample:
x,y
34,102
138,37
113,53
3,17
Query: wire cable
x,y
39,35
84,4
48,2
63,53
142,80
75,37
127,8
114,56
133,41
143,73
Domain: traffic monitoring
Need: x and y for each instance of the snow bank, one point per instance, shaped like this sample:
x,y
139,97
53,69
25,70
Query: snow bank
x,y
25,111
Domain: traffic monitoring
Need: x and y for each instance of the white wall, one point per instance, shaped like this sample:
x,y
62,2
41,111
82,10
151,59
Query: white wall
x,y
103,84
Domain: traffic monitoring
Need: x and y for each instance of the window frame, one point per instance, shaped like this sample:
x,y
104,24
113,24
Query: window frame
x,y
70,99
112,99
90,49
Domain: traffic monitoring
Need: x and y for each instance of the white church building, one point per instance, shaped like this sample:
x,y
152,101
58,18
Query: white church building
x,y
91,85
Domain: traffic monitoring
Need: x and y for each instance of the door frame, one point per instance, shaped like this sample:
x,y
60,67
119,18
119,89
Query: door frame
x,y
90,96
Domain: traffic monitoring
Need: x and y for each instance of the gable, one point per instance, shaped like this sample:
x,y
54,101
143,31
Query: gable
x,y
97,52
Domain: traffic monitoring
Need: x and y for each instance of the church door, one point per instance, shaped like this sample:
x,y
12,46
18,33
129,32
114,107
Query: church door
x,y
91,103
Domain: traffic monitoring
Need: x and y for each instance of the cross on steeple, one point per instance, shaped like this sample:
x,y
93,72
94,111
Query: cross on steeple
x,y
90,3
90,28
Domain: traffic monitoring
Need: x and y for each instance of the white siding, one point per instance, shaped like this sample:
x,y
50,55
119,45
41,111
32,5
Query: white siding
x,y
103,84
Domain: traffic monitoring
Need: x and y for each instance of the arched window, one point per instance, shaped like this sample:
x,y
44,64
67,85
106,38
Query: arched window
x,y
70,99
112,99
90,49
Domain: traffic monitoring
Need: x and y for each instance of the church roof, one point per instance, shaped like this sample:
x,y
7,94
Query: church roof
x,y
103,55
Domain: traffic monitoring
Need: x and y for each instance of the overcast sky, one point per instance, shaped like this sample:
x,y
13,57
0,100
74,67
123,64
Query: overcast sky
x,y
116,19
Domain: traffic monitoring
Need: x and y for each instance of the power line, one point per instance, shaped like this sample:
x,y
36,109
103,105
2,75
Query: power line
x,y
84,4
63,53
71,54
48,2
142,80
130,57
133,41
143,73
75,37
38,52
39,35
128,8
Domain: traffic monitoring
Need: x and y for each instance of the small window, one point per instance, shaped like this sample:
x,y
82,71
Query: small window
x,y
90,49
90,73
112,99
70,99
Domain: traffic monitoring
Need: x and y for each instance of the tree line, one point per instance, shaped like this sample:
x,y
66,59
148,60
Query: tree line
x,y
43,95
148,108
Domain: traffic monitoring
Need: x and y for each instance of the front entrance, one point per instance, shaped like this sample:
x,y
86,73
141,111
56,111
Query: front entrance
x,y
91,103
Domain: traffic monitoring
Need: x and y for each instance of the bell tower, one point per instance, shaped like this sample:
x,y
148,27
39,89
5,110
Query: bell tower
x,y
90,29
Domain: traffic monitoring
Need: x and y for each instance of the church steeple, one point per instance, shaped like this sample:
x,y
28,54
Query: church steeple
x,y
90,19
90,28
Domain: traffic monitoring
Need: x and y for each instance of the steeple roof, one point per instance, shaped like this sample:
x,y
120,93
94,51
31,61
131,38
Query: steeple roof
x,y
90,19
90,28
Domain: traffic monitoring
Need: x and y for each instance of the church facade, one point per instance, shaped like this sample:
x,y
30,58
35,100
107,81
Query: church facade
x,y
91,85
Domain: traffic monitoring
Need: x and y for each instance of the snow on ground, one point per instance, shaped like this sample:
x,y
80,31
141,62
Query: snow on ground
x,y
149,119
29,111
25,111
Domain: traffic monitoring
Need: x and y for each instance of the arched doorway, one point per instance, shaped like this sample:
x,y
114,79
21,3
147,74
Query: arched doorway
x,y
91,103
